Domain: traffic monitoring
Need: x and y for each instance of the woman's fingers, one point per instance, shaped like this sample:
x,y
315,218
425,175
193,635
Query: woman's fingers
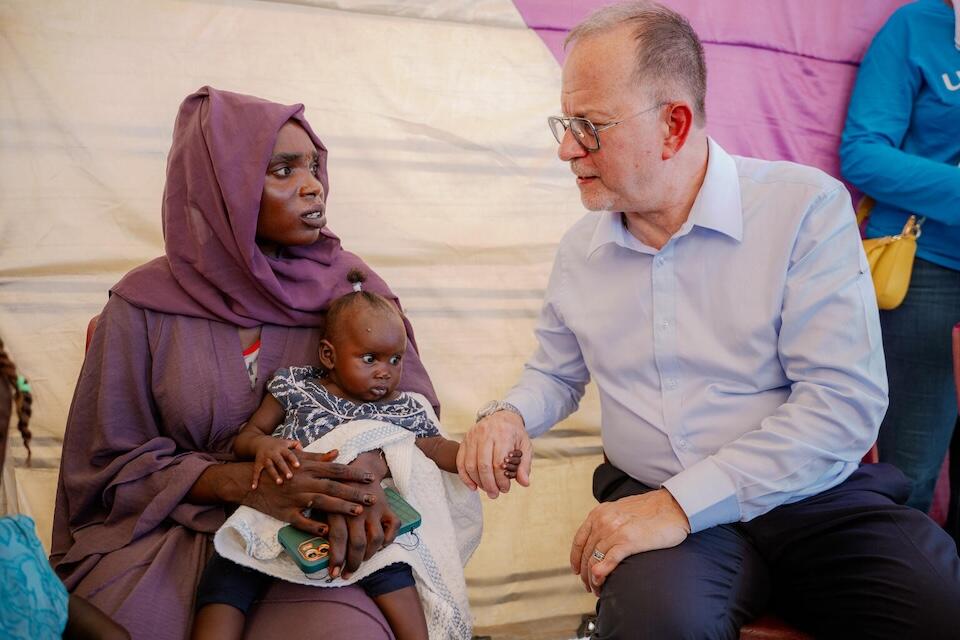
x,y
356,545
337,537
391,524
330,504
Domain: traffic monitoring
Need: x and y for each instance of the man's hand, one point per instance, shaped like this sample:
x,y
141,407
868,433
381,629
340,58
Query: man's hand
x,y
623,528
485,452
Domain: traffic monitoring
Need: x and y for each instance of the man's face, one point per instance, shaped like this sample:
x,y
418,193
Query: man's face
x,y
597,84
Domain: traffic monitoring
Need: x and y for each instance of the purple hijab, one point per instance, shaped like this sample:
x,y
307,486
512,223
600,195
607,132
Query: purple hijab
x,y
213,268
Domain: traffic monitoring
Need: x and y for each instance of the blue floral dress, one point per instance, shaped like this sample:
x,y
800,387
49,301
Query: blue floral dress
x,y
312,411
34,600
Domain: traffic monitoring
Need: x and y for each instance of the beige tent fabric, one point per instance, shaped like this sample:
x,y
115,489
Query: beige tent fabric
x,y
443,174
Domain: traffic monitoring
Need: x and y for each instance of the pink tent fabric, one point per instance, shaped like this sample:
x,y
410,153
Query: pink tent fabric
x,y
780,71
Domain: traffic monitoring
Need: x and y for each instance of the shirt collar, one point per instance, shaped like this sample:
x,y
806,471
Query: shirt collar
x,y
716,207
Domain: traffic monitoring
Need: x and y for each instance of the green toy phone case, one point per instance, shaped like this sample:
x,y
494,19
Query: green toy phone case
x,y
311,553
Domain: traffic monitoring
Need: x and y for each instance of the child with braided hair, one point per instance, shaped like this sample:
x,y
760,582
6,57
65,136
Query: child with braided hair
x,y
362,357
14,388
35,602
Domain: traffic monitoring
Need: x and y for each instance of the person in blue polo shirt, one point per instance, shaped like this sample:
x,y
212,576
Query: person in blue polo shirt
x,y
901,146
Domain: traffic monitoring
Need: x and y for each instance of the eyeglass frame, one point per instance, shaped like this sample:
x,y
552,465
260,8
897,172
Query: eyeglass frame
x,y
566,120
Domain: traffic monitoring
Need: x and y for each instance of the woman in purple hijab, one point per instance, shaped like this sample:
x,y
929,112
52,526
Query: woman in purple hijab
x,y
178,362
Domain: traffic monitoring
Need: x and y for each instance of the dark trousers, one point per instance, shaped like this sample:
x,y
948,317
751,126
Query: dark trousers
x,y
851,562
919,422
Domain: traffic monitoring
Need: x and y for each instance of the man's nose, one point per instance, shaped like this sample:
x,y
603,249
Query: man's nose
x,y
569,148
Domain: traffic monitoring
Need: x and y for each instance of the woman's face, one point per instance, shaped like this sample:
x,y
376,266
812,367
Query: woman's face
x,y
292,210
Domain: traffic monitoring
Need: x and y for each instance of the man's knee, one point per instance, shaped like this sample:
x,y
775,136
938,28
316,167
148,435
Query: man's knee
x,y
635,606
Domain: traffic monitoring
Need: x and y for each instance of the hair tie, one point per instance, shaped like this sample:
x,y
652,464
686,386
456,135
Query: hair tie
x,y
358,286
22,385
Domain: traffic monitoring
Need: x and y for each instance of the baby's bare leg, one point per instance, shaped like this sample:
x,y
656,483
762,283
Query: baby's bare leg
x,y
404,612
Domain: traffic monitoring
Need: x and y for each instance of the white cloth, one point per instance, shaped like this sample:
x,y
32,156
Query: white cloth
x,y
437,550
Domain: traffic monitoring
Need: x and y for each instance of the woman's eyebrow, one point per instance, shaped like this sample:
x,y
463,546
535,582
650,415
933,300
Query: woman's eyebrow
x,y
292,157
285,157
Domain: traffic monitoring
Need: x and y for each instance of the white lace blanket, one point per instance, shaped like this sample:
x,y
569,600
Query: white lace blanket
x,y
437,550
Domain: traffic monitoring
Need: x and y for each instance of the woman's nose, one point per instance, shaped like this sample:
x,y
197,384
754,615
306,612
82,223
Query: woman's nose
x,y
312,187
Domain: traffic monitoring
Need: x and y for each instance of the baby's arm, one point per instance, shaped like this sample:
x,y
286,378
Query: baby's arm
x,y
444,453
254,442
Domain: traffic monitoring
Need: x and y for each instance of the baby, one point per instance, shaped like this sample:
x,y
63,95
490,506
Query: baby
x,y
362,359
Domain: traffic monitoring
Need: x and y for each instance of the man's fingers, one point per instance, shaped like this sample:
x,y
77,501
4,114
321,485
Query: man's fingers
x,y
485,467
579,540
461,467
613,557
469,449
525,468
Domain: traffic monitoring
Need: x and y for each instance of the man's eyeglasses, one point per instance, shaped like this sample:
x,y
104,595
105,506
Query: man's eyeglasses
x,y
585,132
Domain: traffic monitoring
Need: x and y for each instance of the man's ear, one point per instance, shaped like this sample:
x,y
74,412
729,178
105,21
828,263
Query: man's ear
x,y
328,355
679,123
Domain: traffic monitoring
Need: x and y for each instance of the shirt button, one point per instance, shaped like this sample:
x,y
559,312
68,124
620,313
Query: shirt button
x,y
660,261
671,383
665,324
682,443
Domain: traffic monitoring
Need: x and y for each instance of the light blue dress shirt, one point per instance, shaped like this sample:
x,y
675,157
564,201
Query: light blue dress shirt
x,y
741,365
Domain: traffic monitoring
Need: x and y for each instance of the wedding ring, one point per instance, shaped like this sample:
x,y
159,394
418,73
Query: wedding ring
x,y
599,555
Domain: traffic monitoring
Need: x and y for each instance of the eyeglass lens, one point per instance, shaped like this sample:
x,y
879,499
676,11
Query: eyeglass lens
x,y
582,131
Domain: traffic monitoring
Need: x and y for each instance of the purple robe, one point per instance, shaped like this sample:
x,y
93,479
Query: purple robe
x,y
164,387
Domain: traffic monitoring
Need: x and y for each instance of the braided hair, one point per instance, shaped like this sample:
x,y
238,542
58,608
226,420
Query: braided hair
x,y
22,398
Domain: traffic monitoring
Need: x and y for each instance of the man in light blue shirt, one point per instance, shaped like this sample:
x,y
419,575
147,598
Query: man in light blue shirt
x,y
724,308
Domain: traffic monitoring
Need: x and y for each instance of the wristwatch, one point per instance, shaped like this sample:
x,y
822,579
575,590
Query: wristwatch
x,y
496,405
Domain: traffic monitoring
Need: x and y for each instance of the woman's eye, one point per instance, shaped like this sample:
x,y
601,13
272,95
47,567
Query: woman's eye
x,y
395,360
368,358
282,172
315,169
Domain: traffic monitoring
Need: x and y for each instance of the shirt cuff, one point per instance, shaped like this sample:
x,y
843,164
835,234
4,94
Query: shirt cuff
x,y
530,410
706,494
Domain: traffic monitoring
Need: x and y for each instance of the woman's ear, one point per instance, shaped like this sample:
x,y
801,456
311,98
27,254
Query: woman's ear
x,y
328,355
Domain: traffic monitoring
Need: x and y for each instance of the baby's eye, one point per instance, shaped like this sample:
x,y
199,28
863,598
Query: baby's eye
x,y
395,360
368,358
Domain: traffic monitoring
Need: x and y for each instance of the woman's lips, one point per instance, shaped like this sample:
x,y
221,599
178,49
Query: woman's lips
x,y
315,219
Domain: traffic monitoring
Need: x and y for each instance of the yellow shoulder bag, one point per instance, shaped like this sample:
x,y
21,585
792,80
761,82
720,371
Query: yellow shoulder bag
x,y
890,258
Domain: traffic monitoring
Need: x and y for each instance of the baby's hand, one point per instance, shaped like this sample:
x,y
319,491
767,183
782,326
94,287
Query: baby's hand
x,y
277,457
511,462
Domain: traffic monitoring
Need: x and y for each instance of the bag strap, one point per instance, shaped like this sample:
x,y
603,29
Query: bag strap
x,y
863,209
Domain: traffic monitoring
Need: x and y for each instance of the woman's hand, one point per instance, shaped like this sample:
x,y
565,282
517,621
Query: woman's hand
x,y
319,484
354,539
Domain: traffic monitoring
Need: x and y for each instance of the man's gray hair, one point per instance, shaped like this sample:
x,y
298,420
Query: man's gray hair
x,y
669,56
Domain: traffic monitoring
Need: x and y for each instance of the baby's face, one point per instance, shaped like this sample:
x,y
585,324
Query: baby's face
x,y
369,354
